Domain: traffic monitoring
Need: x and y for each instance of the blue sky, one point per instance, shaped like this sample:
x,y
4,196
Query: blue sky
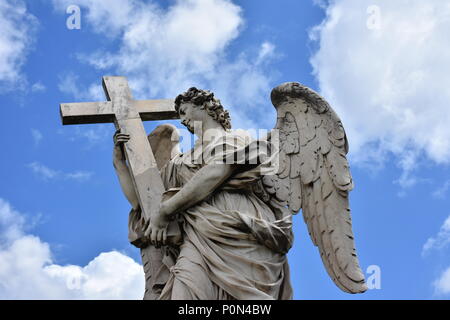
x,y
63,219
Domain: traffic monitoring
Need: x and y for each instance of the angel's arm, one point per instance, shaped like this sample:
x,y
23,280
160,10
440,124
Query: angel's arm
x,y
122,171
214,174
201,185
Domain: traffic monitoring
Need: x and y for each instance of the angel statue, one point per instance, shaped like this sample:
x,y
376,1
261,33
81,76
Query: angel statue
x,y
225,227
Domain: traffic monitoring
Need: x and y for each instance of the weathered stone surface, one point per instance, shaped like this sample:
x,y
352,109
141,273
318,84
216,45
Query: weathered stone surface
x,y
236,226
126,114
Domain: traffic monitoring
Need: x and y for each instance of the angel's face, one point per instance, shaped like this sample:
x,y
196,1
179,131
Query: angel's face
x,y
189,114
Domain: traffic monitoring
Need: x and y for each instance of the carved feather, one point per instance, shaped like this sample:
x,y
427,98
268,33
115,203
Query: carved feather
x,y
165,143
314,175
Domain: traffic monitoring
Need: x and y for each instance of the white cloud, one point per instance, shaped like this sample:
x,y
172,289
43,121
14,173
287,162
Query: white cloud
x,y
163,52
90,135
93,135
38,87
27,270
37,136
47,173
267,51
69,84
387,78
441,240
243,86
111,275
441,192
442,285
11,223
105,16
16,38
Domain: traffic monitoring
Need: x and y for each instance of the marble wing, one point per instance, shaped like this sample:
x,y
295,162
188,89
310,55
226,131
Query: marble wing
x,y
314,176
165,143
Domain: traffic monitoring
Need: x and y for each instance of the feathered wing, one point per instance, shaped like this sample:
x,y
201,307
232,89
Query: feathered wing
x,y
165,143
314,176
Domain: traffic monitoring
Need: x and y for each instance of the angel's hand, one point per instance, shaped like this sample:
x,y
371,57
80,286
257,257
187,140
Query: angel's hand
x,y
157,228
119,140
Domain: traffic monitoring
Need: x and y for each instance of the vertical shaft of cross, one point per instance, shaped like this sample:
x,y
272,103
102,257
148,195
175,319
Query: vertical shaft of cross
x,y
143,170
141,161
127,115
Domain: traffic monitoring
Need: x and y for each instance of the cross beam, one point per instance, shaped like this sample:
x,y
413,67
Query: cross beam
x,y
127,115
103,112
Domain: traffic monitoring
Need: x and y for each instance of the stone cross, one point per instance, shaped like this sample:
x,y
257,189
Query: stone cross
x,y
127,115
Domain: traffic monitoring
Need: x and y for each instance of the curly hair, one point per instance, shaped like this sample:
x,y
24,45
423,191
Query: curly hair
x,y
205,100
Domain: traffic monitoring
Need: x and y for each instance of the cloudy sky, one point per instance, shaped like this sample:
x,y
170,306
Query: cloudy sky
x,y
381,64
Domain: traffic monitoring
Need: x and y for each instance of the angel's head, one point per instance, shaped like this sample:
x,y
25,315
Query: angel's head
x,y
196,104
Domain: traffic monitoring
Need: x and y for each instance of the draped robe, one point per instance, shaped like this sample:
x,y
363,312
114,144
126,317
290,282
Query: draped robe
x,y
234,244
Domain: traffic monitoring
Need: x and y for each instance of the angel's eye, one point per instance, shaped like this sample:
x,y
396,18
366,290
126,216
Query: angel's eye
x,y
182,113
